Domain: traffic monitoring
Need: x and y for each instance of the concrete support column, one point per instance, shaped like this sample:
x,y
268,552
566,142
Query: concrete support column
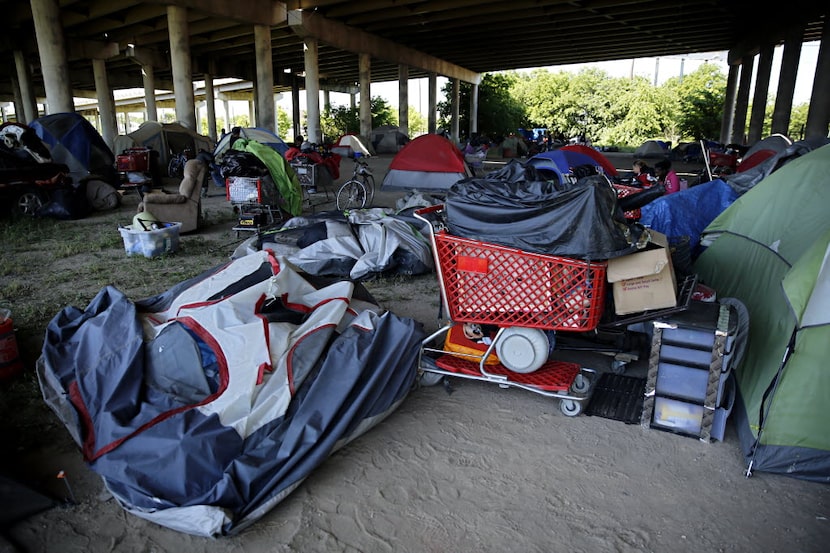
x,y
759,100
181,65
106,102
148,77
251,112
729,105
786,82
403,99
365,77
352,100
266,117
53,60
326,99
432,102
295,108
18,100
27,92
228,116
456,116
210,105
742,102
312,90
474,109
818,116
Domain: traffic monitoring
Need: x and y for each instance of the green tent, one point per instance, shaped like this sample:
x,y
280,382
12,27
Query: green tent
x,y
771,250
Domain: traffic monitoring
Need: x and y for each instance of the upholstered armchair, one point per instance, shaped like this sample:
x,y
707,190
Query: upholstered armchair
x,y
186,205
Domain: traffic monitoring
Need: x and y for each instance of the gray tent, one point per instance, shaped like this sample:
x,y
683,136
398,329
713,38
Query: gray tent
x,y
388,139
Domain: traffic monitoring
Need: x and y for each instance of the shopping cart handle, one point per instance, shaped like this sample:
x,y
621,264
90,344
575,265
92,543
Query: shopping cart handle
x,y
430,209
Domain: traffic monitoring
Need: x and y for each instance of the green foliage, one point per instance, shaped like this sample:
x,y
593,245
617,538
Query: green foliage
x,y
798,120
417,122
499,113
700,97
284,125
339,120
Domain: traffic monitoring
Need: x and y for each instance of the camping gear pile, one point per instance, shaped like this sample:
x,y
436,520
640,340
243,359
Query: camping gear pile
x,y
205,406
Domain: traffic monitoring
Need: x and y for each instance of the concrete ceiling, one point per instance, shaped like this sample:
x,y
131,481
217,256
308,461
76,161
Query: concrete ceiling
x,y
475,35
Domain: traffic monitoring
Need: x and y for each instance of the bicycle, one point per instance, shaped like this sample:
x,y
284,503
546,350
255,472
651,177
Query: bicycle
x,y
359,191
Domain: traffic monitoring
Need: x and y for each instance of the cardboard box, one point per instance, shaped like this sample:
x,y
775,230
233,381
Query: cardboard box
x,y
644,280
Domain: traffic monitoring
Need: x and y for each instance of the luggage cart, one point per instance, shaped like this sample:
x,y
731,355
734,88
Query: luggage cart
x,y
255,200
525,296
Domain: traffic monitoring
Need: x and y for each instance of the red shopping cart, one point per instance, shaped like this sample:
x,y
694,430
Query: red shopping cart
x,y
520,296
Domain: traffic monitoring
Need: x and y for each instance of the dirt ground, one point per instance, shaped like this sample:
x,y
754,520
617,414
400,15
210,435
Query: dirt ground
x,y
470,468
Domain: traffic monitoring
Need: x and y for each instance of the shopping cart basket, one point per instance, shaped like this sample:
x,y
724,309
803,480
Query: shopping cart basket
x,y
525,295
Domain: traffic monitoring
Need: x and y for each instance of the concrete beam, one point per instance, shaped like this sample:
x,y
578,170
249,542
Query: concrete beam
x,y
92,50
311,25
255,12
147,56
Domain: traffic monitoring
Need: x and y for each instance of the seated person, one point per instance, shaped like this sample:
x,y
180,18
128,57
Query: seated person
x,y
666,176
643,174
295,149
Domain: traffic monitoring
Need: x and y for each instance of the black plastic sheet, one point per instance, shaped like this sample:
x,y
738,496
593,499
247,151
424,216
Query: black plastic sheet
x,y
519,207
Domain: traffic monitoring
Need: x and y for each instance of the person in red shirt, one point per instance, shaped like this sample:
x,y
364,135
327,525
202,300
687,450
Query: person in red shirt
x,y
666,176
643,174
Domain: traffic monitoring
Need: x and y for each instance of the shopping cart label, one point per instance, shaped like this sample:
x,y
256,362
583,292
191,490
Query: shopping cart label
x,y
473,264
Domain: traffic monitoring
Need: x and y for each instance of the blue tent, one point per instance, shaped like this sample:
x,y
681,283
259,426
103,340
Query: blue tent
x,y
258,134
561,162
75,142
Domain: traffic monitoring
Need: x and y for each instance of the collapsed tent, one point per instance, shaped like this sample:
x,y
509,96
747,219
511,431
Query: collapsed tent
x,y
74,142
168,139
771,250
430,162
366,244
388,139
203,407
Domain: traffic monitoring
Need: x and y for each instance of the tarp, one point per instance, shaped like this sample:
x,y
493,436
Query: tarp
x,y
74,142
367,244
280,170
771,250
203,407
263,136
517,206
429,162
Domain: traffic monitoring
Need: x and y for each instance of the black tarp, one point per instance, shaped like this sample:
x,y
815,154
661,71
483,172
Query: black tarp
x,y
519,207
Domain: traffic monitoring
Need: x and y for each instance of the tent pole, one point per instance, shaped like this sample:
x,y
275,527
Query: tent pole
x,y
787,352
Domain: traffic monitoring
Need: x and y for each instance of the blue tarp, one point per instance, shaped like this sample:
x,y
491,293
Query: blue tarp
x,y
75,142
688,212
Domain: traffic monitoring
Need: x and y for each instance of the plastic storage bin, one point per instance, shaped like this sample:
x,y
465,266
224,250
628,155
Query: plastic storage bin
x,y
153,242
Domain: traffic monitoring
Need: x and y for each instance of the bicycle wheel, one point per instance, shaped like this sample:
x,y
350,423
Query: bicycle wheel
x,y
369,183
352,195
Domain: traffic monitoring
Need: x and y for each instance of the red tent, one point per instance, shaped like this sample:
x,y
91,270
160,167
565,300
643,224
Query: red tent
x,y
429,162
603,161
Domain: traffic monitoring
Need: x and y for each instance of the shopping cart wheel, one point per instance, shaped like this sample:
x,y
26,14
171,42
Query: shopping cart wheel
x,y
430,379
570,407
581,384
618,366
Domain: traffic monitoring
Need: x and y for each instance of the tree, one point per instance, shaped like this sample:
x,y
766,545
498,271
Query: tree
x,y
798,120
498,112
417,122
700,99
339,120
284,124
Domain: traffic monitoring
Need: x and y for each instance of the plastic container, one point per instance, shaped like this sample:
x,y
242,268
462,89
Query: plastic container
x,y
10,363
153,242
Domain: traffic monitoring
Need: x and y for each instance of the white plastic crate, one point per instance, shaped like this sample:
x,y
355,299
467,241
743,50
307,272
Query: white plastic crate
x,y
242,190
151,243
